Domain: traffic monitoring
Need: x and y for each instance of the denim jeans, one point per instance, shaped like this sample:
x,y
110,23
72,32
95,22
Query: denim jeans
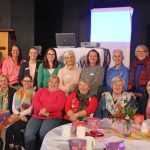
x,y
41,126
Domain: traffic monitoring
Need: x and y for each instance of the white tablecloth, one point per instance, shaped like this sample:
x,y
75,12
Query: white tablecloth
x,y
54,141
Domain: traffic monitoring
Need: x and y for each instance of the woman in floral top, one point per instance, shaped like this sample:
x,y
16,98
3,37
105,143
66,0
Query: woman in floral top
x,y
110,103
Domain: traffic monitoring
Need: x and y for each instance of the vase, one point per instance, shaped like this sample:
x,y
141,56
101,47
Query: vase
x,y
127,128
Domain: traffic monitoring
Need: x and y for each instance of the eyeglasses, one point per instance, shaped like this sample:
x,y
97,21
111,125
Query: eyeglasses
x,y
141,51
50,54
27,81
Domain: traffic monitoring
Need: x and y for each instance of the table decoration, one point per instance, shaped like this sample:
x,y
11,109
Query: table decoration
x,y
75,125
138,119
115,145
77,144
93,123
124,116
66,131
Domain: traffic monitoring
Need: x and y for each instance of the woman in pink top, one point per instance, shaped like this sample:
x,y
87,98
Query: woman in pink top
x,y
69,75
11,65
48,104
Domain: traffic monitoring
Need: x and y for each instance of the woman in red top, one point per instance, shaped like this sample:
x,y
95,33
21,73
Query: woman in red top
x,y
80,104
48,104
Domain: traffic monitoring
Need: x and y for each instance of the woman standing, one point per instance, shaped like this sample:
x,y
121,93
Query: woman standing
x,y
22,108
69,75
11,66
140,70
110,103
93,72
30,67
49,67
48,104
118,70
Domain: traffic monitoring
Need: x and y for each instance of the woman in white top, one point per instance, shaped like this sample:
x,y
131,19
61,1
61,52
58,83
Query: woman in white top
x,y
69,75
22,108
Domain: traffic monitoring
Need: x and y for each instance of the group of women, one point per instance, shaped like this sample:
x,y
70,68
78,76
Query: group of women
x,y
45,95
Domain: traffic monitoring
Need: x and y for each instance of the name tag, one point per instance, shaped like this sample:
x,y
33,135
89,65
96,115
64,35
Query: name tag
x,y
92,74
27,68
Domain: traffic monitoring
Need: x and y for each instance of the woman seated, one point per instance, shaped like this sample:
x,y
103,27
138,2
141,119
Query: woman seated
x,y
70,74
144,102
48,104
110,103
6,94
80,104
22,109
93,71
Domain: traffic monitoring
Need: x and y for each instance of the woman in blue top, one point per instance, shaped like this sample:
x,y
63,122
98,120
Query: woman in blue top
x,y
50,66
118,70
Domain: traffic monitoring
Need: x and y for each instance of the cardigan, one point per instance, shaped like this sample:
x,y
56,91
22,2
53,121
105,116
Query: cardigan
x,y
44,75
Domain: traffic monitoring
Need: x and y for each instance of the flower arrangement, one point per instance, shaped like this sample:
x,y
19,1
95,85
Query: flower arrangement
x,y
124,113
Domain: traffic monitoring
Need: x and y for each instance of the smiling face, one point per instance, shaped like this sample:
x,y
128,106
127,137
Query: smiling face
x,y
3,82
51,56
117,58
70,60
117,87
141,53
33,54
93,58
83,87
15,51
27,83
53,84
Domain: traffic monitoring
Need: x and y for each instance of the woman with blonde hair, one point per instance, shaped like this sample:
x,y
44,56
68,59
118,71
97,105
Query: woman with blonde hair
x,y
110,103
69,75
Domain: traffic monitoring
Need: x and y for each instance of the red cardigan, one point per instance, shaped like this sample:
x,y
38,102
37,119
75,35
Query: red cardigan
x,y
54,103
73,104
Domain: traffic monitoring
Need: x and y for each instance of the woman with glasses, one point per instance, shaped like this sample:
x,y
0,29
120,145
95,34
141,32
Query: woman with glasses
x,y
22,108
140,70
49,67
48,104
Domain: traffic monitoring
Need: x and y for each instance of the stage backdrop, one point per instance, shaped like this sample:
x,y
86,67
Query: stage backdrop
x,y
112,28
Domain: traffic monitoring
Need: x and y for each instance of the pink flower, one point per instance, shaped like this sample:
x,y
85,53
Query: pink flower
x,y
127,117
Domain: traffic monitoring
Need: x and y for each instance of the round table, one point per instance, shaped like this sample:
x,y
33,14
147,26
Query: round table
x,y
55,141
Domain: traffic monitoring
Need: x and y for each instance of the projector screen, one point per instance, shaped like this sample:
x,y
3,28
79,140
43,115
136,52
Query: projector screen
x,y
112,28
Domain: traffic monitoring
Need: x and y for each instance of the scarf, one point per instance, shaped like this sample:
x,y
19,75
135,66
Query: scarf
x,y
122,101
145,72
83,99
3,99
23,99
